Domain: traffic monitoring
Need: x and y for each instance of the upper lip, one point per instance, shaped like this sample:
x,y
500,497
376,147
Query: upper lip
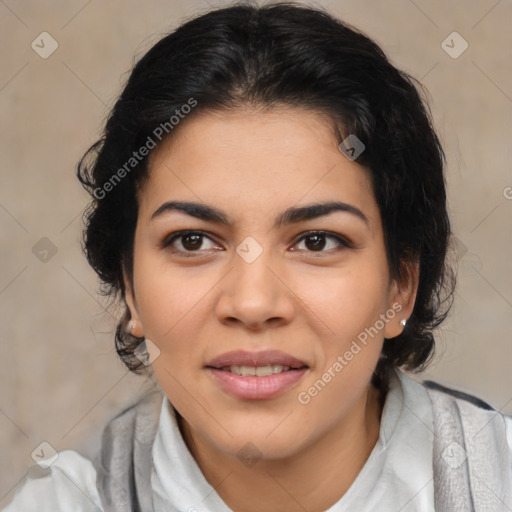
x,y
263,358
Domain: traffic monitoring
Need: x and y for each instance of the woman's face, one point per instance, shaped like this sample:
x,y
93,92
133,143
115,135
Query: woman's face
x,y
262,271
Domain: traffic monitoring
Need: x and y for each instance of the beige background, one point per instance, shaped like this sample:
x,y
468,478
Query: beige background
x,y
60,377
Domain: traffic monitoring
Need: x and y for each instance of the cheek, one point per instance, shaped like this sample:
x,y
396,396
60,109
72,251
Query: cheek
x,y
344,301
166,294
173,308
349,304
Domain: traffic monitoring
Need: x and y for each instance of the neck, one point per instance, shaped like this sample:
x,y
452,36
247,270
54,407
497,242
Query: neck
x,y
313,479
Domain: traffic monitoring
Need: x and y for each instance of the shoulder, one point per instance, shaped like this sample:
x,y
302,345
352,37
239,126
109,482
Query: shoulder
x,y
445,399
472,450
451,394
464,418
139,421
471,411
69,483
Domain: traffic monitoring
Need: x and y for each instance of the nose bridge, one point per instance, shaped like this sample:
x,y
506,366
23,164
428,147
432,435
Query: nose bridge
x,y
252,293
252,276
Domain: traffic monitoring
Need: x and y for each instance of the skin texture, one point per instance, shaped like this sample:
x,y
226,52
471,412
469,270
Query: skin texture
x,y
308,303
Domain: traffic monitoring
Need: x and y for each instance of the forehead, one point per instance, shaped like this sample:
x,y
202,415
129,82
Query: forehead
x,y
284,156
248,132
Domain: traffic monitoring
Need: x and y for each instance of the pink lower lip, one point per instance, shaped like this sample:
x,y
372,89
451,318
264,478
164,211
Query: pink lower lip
x,y
256,388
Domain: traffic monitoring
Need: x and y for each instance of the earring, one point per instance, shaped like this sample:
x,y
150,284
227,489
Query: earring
x,y
403,322
131,326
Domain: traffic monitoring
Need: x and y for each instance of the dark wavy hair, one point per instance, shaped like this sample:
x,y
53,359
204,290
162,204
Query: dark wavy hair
x,y
265,57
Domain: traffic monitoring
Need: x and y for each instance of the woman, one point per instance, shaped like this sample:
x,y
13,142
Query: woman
x,y
268,202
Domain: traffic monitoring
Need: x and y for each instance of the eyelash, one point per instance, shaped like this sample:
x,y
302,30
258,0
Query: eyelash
x,y
169,240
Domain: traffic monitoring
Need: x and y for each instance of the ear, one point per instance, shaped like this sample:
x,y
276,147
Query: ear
x,y
129,296
402,296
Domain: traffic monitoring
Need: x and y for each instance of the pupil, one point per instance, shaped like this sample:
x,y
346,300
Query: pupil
x,y
195,244
319,242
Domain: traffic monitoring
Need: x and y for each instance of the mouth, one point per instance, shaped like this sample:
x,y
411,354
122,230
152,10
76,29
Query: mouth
x,y
258,371
256,375
256,364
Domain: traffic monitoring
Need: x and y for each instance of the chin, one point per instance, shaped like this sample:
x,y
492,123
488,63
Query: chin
x,y
249,449
261,441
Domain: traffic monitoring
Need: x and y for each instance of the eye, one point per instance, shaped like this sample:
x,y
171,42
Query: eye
x,y
318,241
188,242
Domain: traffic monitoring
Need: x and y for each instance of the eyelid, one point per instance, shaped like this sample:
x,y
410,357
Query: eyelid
x,y
341,240
168,240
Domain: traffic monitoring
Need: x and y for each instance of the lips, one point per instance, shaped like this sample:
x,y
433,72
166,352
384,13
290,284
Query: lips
x,y
256,375
256,359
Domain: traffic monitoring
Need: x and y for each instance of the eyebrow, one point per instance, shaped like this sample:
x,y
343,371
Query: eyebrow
x,y
289,216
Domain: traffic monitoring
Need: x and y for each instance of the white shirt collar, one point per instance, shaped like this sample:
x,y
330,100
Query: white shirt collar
x,y
398,475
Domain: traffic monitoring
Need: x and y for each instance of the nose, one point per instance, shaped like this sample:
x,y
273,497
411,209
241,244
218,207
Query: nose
x,y
255,295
